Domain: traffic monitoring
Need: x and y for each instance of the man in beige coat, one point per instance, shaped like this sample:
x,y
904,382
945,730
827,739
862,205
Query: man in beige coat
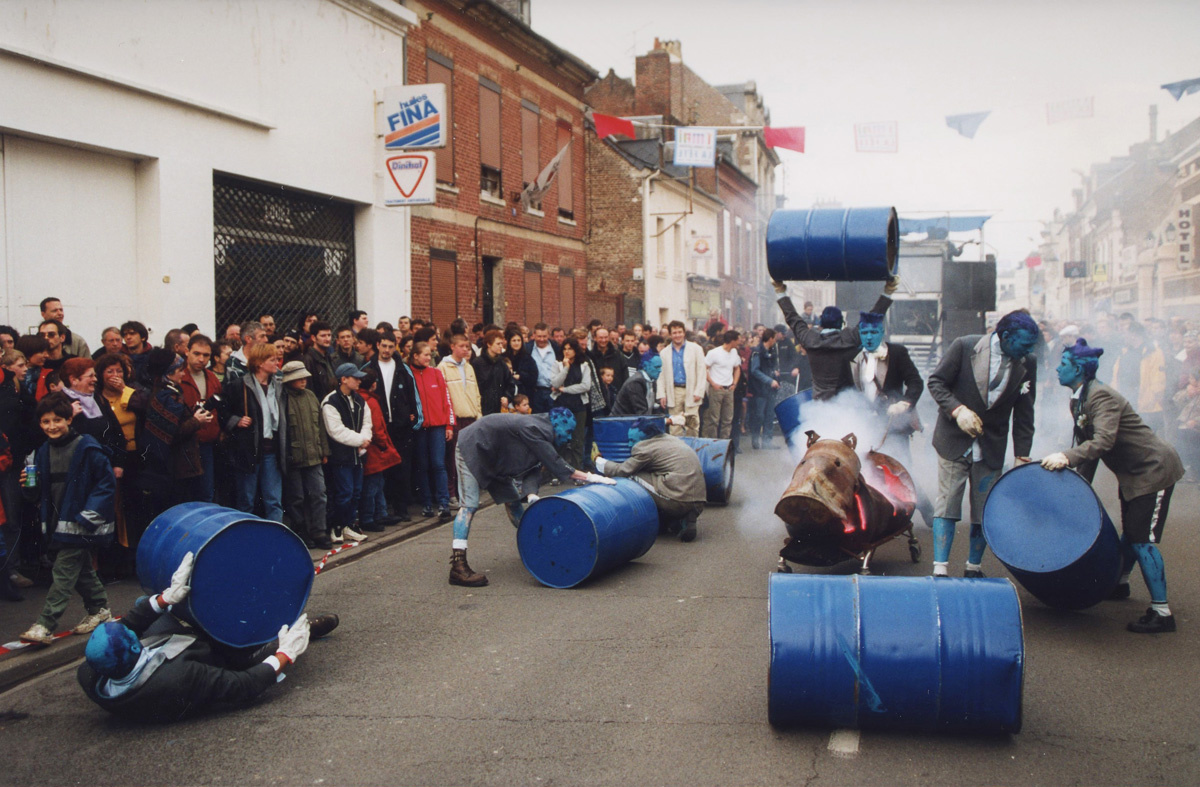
x,y
464,398
684,380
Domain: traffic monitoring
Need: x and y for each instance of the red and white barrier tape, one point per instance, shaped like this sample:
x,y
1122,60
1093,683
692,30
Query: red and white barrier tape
x,y
331,553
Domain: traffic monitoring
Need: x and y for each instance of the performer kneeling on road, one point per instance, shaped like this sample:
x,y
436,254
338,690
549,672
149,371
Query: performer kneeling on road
x,y
1146,467
980,382
831,347
504,453
150,667
668,469
889,379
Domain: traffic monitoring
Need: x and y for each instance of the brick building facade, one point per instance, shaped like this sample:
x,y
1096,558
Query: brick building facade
x,y
515,101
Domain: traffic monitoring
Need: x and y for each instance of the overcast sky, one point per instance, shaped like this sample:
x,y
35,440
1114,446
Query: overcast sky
x,y
829,65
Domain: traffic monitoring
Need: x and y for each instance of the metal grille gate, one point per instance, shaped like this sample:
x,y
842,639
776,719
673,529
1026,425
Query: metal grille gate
x,y
280,252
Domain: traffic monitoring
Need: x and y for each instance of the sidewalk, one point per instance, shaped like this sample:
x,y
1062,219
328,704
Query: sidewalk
x,y
25,663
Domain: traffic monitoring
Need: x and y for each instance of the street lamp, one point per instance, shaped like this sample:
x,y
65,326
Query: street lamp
x,y
1170,232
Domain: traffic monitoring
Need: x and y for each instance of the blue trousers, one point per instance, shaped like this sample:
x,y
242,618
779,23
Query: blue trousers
x,y
347,489
374,504
264,479
431,466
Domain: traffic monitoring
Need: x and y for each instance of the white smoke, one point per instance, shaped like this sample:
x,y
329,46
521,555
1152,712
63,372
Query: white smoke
x,y
847,413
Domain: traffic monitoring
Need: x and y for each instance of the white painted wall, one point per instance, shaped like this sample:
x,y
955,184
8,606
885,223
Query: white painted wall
x,y
669,262
116,114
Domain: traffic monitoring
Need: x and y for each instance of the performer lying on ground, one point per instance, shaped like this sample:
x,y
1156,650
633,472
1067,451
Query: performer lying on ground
x,y
150,667
668,469
1147,468
504,453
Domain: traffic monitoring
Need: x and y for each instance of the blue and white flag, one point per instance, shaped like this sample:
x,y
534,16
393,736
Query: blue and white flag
x,y
967,124
1180,89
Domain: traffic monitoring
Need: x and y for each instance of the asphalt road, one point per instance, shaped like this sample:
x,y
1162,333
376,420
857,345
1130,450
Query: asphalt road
x,y
654,674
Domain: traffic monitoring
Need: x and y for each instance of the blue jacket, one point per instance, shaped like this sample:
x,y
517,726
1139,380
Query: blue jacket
x,y
88,513
764,370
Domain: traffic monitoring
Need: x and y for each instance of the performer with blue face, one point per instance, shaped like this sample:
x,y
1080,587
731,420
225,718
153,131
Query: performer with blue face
x,y
504,453
637,395
1106,428
886,375
980,385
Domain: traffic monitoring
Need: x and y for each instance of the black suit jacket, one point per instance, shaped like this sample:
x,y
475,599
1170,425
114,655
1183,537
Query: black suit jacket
x,y
193,681
829,355
961,378
634,397
901,383
403,396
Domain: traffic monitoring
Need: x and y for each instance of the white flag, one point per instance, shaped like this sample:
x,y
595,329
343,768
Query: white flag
x,y
534,192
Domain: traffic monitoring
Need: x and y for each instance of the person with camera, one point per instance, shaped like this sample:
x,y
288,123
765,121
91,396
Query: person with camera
x,y
172,472
201,390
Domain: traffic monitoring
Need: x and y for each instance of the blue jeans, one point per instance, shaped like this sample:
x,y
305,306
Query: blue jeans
x,y
541,402
347,488
431,466
374,504
265,480
206,485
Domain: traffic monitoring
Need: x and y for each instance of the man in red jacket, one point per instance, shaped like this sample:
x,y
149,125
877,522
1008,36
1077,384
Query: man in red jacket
x,y
199,384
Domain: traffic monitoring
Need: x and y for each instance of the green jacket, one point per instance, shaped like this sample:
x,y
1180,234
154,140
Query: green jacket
x,y
307,443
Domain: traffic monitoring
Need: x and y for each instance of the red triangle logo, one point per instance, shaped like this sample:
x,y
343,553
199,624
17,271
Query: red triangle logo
x,y
407,172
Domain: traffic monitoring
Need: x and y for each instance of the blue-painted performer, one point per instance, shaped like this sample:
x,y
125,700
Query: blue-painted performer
x,y
504,453
666,467
981,383
150,667
887,377
1108,429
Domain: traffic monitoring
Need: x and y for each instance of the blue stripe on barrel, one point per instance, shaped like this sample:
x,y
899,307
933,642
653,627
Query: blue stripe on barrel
x,y
612,434
716,459
833,244
251,575
909,653
787,412
1052,533
586,531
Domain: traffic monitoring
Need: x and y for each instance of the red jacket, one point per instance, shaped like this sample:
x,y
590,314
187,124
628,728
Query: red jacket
x,y
435,396
211,431
381,454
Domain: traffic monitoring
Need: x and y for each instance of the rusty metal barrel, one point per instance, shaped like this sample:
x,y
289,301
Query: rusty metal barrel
x,y
906,653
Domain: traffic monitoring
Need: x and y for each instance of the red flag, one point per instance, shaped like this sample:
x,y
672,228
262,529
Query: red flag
x,y
790,138
1033,261
607,125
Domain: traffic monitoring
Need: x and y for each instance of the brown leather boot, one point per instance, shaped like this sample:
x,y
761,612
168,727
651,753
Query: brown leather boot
x,y
461,573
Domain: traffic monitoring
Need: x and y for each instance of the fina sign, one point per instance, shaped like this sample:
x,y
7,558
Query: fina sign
x,y
411,179
414,116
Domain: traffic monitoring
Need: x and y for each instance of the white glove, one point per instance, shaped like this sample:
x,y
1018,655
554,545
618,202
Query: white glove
x,y
180,580
968,421
600,463
899,408
1056,461
677,420
531,499
293,641
892,285
592,478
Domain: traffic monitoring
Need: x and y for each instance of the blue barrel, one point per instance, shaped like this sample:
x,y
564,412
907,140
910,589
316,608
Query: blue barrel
x,y
251,576
895,652
787,412
612,434
833,244
1052,533
716,458
586,531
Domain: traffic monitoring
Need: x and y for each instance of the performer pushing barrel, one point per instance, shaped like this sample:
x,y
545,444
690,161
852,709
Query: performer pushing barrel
x,y
504,453
1147,468
830,347
668,468
978,385
150,667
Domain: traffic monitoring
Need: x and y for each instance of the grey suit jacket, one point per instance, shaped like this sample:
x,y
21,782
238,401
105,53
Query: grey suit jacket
x,y
1108,429
668,464
961,378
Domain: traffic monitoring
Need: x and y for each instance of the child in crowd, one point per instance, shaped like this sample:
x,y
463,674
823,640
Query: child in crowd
x,y
77,497
381,455
348,424
520,404
609,389
308,449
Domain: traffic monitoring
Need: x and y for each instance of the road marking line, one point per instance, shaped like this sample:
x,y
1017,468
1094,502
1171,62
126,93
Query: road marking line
x,y
844,743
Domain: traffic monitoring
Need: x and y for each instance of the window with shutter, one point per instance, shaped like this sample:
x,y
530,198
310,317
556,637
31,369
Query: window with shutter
x,y
442,287
489,138
441,71
566,300
530,165
533,297
566,179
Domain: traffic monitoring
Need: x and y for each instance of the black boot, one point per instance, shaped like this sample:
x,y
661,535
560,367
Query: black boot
x,y
461,573
1153,623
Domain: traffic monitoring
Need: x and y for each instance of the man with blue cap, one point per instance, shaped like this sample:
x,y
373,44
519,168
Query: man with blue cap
x,y
831,346
1108,429
150,667
504,453
668,469
981,383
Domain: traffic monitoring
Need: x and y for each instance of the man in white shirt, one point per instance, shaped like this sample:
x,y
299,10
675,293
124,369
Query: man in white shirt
x,y
724,369
546,357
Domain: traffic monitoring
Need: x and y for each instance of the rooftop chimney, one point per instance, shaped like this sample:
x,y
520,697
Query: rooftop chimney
x,y
1153,123
518,8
